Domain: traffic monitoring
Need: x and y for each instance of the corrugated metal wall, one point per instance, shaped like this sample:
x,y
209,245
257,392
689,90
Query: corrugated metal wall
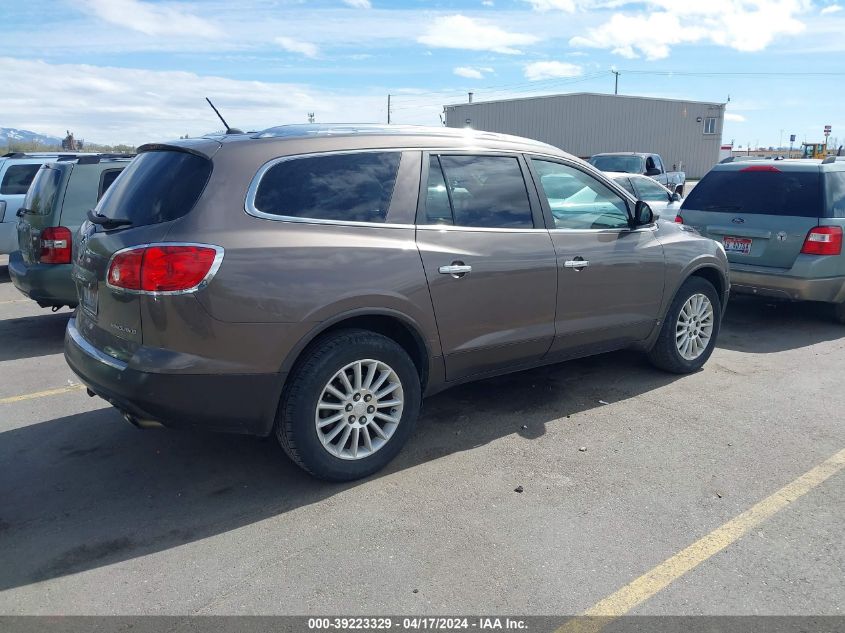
x,y
586,124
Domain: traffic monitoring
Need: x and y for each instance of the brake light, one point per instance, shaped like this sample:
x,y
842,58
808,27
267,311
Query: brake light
x,y
823,240
761,168
679,219
56,245
163,267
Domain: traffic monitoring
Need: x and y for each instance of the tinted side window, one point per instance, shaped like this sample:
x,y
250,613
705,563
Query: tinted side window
x,y
835,185
345,187
579,201
649,190
17,179
487,191
106,180
761,190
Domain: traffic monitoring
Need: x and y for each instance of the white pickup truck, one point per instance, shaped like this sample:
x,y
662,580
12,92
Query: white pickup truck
x,y
650,165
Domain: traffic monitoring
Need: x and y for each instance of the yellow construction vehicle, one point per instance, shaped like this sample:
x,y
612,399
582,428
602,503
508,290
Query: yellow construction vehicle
x,y
813,150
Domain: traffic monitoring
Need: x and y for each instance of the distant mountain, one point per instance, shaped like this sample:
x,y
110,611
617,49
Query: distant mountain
x,y
25,136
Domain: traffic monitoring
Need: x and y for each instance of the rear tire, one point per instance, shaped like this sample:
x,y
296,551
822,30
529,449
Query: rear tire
x,y
371,383
690,328
839,313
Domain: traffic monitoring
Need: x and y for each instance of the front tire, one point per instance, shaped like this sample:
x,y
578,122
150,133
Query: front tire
x,y
690,328
350,405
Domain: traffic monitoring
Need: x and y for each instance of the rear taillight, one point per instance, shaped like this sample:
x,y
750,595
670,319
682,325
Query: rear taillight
x,y
164,267
679,219
823,240
56,245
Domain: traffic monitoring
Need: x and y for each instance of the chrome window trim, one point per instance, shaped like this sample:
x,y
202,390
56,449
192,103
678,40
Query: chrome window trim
x,y
249,202
644,227
93,352
478,229
215,266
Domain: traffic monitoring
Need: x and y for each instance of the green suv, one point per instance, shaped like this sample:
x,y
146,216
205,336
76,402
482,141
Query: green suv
x,y
781,224
55,207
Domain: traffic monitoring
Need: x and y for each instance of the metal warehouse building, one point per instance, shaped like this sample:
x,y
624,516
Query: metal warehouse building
x,y
687,134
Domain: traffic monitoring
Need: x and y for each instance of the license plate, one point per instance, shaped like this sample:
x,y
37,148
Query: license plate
x,y
89,299
741,245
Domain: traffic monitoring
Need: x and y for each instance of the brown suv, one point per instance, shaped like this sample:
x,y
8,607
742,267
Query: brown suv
x,y
316,282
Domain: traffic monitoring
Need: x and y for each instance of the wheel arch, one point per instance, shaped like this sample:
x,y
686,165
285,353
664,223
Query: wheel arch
x,y
714,276
390,323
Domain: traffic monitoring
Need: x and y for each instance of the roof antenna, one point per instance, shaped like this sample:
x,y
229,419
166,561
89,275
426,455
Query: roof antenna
x,y
229,130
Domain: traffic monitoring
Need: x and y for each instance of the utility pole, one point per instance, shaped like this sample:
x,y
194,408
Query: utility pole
x,y
616,82
388,109
469,97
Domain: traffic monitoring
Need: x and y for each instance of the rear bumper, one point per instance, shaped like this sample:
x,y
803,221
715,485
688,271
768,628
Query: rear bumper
x,y
48,284
779,286
230,403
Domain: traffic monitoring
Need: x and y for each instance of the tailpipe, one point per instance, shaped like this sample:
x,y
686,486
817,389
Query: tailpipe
x,y
142,424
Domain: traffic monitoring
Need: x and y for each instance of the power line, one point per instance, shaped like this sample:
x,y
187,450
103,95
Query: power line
x,y
530,87
686,73
459,92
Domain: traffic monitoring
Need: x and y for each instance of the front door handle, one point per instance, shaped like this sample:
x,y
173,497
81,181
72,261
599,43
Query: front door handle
x,y
456,269
577,264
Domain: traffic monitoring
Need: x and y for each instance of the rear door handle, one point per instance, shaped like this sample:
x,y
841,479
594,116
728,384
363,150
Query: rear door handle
x,y
576,263
456,269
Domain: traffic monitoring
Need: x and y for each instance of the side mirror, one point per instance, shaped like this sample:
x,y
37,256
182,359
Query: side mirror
x,y
643,214
675,197
654,171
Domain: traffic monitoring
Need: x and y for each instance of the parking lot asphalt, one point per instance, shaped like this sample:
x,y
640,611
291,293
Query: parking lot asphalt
x,y
97,517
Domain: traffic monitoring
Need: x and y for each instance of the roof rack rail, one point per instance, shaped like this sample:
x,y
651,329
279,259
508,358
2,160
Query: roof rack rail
x,y
14,155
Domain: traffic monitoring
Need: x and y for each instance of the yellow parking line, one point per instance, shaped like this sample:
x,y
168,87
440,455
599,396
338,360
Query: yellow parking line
x,y
41,394
647,585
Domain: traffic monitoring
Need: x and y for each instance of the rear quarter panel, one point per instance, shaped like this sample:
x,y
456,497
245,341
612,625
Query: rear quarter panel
x,y
280,280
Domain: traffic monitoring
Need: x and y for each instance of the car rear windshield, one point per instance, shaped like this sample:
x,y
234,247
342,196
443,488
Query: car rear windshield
x,y
157,186
41,197
626,164
762,191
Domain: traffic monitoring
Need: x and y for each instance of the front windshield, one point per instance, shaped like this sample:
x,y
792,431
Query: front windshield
x,y
625,164
41,196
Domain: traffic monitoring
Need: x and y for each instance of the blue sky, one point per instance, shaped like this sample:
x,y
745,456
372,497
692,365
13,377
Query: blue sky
x,y
137,70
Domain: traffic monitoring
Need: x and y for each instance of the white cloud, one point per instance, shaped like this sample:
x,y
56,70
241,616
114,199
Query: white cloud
x,y
833,8
536,71
733,116
487,3
152,19
296,46
459,31
359,4
744,25
128,105
471,72
550,5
